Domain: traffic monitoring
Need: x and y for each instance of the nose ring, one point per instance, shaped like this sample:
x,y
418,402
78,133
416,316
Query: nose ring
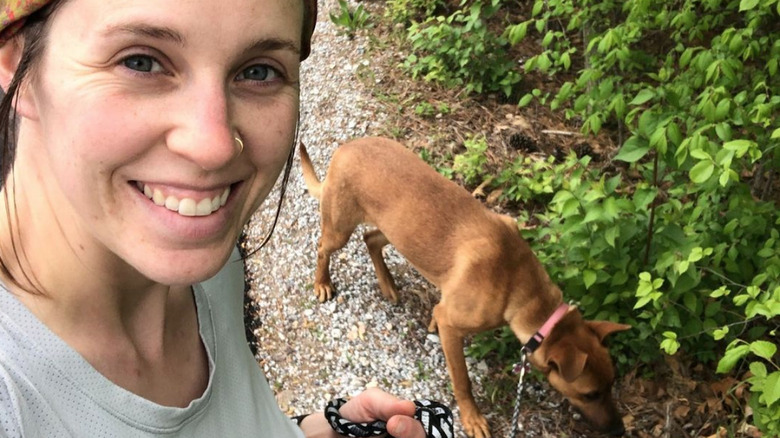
x,y
240,145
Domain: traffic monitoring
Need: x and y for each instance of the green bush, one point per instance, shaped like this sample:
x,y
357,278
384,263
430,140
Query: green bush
x,y
470,165
460,50
408,11
687,250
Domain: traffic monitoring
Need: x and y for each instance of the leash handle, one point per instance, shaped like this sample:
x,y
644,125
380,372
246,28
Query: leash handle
x,y
435,417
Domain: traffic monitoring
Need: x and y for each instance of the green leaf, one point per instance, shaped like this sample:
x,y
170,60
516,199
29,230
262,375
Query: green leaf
x,y
642,97
670,346
633,150
763,349
746,5
588,277
674,134
611,234
772,388
570,207
723,130
758,369
642,302
732,356
776,132
702,171
538,5
525,100
740,147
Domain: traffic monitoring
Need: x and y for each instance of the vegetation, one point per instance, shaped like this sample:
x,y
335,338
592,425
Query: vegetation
x,y
679,233
350,20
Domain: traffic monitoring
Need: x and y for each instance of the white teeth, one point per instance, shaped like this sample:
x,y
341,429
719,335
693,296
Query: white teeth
x,y
187,206
157,197
204,207
172,203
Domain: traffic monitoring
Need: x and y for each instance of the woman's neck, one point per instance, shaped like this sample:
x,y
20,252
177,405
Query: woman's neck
x,y
139,334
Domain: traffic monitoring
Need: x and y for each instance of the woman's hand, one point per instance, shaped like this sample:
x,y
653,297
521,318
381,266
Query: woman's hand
x,y
370,405
375,404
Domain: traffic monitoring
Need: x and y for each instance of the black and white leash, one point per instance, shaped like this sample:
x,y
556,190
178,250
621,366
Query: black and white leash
x,y
520,368
435,417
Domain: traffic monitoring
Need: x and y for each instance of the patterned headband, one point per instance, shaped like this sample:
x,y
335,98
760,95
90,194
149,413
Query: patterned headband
x,y
14,12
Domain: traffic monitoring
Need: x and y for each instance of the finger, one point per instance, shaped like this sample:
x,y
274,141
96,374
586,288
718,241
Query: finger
x,y
402,426
375,404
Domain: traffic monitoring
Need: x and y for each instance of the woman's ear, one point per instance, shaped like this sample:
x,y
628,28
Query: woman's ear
x,y
10,55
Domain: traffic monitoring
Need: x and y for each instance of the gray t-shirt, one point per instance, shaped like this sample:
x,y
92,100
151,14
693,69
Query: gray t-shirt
x,y
48,390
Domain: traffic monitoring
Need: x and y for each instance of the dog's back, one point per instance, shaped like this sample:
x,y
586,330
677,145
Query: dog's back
x,y
403,196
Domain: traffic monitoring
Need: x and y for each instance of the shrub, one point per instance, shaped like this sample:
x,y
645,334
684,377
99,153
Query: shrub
x,y
460,50
407,11
686,252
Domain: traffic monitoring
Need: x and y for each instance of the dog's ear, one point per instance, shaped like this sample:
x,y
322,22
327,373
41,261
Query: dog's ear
x,y
568,360
606,328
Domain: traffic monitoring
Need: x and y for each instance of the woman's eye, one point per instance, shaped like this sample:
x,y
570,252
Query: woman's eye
x,y
142,63
259,72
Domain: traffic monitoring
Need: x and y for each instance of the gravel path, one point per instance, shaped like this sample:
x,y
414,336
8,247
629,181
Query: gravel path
x,y
313,352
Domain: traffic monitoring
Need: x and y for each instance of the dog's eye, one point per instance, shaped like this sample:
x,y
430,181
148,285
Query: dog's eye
x,y
592,396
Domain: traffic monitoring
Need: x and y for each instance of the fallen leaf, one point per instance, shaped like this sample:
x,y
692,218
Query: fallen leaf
x,y
681,412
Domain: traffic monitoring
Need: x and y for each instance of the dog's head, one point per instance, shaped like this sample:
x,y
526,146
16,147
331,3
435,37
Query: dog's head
x,y
577,363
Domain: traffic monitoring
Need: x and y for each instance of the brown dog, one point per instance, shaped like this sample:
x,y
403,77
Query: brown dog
x,y
486,272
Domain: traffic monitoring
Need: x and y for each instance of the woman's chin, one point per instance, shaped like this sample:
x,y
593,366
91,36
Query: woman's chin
x,y
184,269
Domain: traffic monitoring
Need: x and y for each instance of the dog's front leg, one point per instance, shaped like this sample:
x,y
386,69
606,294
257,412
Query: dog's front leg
x,y
474,423
375,241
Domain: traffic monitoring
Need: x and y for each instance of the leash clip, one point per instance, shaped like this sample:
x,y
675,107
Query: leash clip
x,y
521,366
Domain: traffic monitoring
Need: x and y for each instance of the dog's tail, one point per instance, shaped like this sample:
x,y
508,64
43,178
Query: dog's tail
x,y
313,183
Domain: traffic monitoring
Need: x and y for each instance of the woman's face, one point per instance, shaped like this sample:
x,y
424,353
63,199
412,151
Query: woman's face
x,y
137,106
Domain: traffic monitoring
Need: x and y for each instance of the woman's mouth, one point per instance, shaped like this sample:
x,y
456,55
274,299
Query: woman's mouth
x,y
186,206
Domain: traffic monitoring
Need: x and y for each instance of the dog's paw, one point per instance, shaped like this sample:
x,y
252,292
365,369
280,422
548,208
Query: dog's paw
x,y
475,425
324,292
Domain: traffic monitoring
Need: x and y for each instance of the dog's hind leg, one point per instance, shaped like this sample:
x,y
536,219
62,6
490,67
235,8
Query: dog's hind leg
x,y
330,241
375,241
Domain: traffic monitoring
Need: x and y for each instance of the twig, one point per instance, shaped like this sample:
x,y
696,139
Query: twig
x,y
555,132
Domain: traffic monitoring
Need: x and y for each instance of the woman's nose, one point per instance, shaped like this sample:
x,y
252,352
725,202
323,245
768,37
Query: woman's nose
x,y
204,132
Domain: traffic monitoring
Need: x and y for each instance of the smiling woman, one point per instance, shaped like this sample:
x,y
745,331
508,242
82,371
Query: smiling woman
x,y
138,140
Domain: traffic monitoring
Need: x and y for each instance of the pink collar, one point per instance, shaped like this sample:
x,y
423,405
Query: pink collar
x,y
538,337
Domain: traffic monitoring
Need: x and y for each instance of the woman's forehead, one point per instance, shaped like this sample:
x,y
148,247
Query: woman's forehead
x,y
229,23
207,14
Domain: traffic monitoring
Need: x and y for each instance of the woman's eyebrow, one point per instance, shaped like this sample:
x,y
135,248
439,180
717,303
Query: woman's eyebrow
x,y
146,30
272,45
168,34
